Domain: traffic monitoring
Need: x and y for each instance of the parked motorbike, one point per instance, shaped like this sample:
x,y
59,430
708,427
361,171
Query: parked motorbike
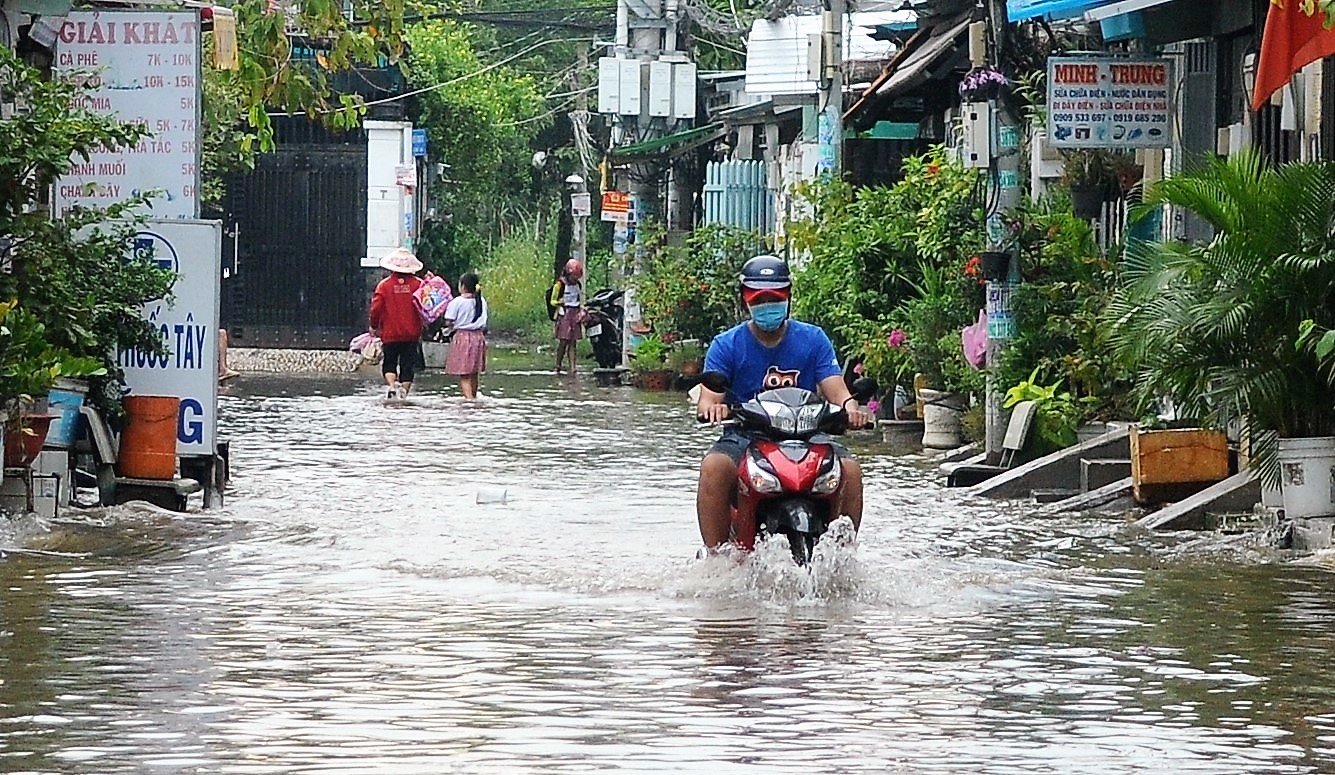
x,y
603,326
788,482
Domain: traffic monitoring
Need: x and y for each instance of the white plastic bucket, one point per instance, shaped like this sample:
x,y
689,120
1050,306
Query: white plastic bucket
x,y
941,418
1307,476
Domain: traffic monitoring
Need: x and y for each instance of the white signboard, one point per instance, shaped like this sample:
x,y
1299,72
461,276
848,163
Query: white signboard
x,y
1100,102
143,67
581,205
188,325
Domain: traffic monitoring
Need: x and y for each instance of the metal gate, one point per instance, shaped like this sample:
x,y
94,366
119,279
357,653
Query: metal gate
x,y
737,193
296,228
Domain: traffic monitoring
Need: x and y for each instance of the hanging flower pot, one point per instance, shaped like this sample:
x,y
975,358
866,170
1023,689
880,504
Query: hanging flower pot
x,y
996,265
1087,201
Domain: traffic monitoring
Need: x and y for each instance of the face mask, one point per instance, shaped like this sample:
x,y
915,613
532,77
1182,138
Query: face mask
x,y
770,315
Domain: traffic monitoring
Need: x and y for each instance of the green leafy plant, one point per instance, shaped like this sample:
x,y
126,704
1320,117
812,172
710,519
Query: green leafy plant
x,y
1087,167
1321,343
514,278
684,354
650,354
892,259
1058,326
74,272
29,364
1217,327
1058,413
689,290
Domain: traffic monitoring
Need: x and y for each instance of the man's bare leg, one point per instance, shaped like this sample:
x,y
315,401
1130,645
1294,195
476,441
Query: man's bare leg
x,y
850,493
717,476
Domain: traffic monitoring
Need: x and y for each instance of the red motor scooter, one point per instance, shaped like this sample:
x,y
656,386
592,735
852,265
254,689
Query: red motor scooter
x,y
789,480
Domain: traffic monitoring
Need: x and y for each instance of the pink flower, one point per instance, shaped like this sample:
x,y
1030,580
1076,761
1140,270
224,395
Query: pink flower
x,y
897,338
873,407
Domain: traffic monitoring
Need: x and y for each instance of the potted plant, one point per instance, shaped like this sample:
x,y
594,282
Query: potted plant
x,y
29,366
686,357
982,84
1218,327
648,364
1087,174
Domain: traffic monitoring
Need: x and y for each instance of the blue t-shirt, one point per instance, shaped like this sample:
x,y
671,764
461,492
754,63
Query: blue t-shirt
x,y
802,359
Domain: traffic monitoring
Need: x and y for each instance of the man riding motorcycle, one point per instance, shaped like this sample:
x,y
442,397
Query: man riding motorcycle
x,y
768,351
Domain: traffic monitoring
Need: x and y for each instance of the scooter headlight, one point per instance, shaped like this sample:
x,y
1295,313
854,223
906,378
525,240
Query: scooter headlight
x,y
828,482
808,417
760,479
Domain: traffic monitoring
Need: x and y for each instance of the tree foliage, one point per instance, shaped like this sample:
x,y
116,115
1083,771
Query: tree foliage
x,y
1217,327
480,120
73,273
289,54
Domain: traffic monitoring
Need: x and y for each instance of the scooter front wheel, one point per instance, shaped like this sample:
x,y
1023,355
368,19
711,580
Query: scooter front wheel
x,y
802,547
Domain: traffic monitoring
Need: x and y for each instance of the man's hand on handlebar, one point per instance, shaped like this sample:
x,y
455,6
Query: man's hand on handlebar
x,y
857,416
713,413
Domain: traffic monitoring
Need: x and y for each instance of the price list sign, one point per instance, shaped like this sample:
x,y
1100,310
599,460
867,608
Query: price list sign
x,y
141,67
1110,103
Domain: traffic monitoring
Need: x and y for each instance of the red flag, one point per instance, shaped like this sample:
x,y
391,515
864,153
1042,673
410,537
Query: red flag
x,y
1292,40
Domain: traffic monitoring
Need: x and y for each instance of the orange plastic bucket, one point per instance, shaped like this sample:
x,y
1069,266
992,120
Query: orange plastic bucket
x,y
148,442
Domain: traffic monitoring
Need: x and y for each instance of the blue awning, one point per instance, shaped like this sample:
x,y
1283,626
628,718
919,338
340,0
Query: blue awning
x,y
1019,10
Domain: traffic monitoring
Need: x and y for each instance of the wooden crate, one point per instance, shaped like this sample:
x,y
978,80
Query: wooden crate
x,y
1168,465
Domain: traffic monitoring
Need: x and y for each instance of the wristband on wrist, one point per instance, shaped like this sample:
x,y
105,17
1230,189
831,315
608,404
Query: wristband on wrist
x,y
844,405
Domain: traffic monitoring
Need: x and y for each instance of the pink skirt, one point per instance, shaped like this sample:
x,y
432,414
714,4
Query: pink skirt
x,y
468,353
569,326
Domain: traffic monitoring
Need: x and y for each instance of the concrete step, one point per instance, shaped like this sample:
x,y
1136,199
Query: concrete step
x,y
1057,470
1093,499
1240,492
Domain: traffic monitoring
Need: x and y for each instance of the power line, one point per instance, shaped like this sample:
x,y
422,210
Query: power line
x,y
450,82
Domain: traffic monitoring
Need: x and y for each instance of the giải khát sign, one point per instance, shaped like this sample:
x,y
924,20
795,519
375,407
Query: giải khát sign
x,y
141,67
1104,102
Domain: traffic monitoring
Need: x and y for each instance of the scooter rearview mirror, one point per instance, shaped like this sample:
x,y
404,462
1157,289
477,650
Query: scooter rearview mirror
x,y
863,388
716,381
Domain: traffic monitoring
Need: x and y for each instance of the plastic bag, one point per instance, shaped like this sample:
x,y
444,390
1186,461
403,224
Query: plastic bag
x,y
359,342
975,341
432,297
373,351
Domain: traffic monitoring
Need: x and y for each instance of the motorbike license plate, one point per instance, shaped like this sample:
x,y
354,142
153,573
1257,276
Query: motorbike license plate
x,y
595,330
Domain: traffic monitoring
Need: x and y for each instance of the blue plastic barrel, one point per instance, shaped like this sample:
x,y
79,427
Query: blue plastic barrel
x,y
64,405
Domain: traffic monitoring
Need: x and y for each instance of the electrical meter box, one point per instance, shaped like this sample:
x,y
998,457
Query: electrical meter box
x,y
976,123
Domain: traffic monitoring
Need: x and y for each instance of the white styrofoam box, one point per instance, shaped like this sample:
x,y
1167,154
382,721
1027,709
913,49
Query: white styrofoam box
x,y
46,495
55,462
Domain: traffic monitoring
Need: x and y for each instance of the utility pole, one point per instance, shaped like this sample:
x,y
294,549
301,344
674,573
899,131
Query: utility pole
x,y
580,206
830,121
1005,195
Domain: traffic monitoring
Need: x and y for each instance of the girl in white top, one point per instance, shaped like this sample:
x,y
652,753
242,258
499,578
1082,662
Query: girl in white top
x,y
467,316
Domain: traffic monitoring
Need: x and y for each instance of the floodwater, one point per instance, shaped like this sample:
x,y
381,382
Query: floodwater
x,y
508,587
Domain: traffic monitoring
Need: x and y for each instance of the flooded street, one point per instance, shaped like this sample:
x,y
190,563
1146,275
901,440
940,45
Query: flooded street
x,y
508,587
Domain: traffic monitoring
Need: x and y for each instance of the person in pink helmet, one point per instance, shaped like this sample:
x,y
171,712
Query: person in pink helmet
x,y
569,312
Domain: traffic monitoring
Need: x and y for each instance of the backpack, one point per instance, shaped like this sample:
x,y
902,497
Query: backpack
x,y
432,297
554,298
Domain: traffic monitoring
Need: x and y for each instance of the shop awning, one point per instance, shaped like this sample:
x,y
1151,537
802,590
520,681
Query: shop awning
x,y
1109,10
918,67
1019,10
668,145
